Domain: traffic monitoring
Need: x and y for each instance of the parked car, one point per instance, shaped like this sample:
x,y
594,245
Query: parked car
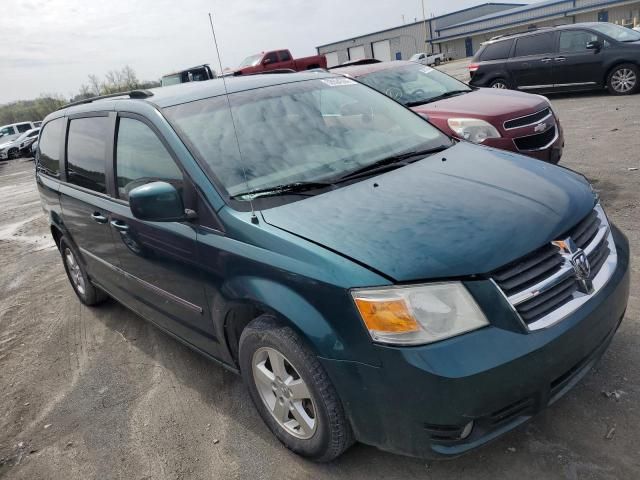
x,y
279,60
581,56
14,130
369,277
199,73
428,58
508,120
18,146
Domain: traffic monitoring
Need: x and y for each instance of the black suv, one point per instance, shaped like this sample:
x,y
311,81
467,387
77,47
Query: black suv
x,y
581,56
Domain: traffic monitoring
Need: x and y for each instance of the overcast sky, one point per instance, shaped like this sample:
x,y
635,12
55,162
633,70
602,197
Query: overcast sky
x,y
50,46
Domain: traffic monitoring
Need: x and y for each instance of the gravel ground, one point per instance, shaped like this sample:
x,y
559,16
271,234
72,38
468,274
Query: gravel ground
x,y
101,394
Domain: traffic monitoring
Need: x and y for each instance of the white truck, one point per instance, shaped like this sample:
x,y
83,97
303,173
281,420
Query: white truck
x,y
428,58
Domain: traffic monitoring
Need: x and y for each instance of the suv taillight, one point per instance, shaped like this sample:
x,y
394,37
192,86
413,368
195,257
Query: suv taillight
x,y
473,67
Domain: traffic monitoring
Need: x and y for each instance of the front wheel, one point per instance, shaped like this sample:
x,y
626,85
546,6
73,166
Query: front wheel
x,y
292,392
623,79
437,62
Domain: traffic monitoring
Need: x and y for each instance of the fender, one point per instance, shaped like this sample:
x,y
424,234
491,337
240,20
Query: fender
x,y
331,325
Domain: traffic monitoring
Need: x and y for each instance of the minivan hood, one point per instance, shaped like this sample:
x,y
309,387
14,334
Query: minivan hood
x,y
479,209
486,103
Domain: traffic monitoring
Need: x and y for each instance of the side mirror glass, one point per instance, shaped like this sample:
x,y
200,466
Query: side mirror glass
x,y
266,61
157,202
594,45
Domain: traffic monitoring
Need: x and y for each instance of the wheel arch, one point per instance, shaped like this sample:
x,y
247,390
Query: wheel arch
x,y
613,66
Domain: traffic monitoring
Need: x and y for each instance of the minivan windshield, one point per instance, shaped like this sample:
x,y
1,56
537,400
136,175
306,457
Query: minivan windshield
x,y
415,84
621,34
308,131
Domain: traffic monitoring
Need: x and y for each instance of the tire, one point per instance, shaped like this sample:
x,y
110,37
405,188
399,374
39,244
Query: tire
x,y
623,79
77,275
13,154
500,83
437,62
326,433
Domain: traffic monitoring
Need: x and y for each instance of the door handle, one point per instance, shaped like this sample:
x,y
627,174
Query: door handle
x,y
99,218
546,60
120,226
560,59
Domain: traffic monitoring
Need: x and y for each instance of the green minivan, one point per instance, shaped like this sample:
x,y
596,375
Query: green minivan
x,y
370,278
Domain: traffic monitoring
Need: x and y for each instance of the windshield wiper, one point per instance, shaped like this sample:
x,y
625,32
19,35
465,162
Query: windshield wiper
x,y
452,93
286,189
390,163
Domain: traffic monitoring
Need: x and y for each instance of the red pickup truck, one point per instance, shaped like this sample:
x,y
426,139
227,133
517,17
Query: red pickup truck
x,y
279,59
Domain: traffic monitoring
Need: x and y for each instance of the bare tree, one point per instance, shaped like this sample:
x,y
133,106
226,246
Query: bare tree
x,y
94,85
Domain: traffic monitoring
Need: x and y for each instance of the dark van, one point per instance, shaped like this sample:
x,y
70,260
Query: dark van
x,y
581,56
369,277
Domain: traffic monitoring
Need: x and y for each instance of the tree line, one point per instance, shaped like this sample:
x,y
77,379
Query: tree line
x,y
114,81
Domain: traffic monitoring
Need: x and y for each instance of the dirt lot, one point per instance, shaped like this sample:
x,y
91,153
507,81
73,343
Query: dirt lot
x,y
101,394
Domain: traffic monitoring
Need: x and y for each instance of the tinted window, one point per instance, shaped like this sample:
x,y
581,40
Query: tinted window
x,y
23,127
141,158
49,147
86,149
272,56
576,40
33,134
535,45
285,56
496,51
7,131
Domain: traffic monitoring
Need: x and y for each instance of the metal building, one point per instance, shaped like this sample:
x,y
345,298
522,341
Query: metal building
x,y
460,34
399,43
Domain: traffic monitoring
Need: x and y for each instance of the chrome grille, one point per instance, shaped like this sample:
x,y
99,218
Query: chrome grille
x,y
543,287
528,119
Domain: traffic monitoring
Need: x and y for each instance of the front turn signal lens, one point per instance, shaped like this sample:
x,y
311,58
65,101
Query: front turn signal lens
x,y
390,316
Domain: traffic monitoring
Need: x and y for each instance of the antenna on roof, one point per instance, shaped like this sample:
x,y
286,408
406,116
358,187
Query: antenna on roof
x,y
254,218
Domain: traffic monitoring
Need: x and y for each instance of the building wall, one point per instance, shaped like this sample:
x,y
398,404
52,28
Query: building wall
x,y
411,38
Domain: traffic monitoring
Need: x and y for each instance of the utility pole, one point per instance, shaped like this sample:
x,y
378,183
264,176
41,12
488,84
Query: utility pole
x,y
426,33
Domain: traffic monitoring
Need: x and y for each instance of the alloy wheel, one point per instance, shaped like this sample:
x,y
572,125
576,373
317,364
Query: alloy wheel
x,y
284,393
624,80
75,274
500,85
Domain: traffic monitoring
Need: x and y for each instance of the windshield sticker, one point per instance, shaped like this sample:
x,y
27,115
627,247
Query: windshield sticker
x,y
338,82
426,70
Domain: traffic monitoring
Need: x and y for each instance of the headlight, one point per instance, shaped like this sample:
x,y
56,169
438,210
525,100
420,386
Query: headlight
x,y
473,129
418,315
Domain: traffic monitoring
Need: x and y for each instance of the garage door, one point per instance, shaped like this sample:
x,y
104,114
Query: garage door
x,y
332,59
382,51
356,53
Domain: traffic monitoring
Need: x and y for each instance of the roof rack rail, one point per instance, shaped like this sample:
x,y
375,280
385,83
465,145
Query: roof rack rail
x,y
136,94
507,35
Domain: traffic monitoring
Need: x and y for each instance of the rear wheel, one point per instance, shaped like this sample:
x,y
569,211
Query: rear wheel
x,y
623,79
13,154
437,62
85,290
292,392
500,83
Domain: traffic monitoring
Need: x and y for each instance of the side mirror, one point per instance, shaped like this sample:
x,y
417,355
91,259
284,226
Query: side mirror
x,y
595,45
266,61
157,202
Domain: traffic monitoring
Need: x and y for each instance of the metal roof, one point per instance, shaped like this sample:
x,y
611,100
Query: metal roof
x,y
514,5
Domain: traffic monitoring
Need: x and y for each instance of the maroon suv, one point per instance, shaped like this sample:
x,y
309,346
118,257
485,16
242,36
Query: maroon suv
x,y
505,119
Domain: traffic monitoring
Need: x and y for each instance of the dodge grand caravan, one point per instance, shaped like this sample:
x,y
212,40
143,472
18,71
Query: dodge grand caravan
x,y
369,277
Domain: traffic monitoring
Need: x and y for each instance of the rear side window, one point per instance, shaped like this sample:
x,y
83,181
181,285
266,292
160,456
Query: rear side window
x,y
497,51
23,127
535,45
86,149
576,40
142,158
284,56
49,147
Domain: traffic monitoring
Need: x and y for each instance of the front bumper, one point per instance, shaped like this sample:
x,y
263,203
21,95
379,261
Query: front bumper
x,y
552,153
418,402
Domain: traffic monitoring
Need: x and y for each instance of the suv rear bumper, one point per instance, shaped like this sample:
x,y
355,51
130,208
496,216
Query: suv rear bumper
x,y
419,401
